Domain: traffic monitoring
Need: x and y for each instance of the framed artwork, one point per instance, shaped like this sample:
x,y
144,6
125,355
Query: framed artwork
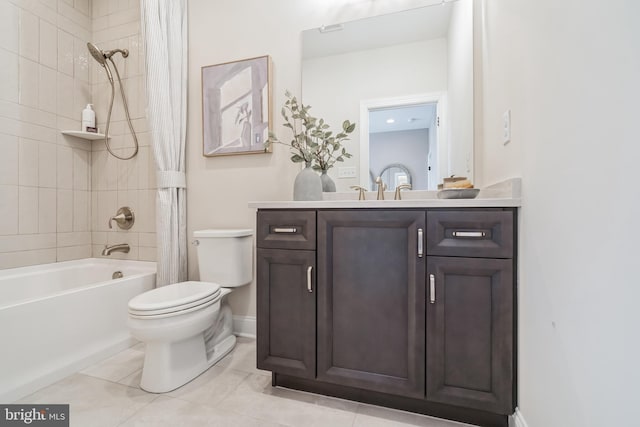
x,y
236,107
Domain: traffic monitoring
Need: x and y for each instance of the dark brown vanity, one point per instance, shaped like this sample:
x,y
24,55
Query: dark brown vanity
x,y
411,308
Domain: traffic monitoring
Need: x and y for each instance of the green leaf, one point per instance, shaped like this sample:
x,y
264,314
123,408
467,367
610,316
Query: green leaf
x,y
296,158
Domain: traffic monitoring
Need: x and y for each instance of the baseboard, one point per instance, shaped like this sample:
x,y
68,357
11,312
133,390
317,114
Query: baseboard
x,y
518,419
244,326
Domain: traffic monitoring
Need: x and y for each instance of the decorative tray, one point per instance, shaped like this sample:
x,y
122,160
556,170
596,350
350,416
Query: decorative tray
x,y
458,193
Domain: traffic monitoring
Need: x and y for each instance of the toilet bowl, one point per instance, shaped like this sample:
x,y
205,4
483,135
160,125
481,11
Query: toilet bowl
x,y
187,327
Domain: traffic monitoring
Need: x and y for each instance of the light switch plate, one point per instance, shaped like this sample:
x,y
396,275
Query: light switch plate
x,y
347,172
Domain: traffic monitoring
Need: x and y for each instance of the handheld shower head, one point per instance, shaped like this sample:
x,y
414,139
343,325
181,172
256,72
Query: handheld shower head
x,y
97,54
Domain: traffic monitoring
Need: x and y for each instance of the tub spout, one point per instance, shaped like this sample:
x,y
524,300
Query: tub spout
x,y
121,247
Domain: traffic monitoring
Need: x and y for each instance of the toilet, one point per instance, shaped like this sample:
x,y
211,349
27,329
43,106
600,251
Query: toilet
x,y
187,327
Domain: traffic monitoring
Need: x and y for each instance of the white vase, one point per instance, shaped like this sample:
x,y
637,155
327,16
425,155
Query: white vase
x,y
328,186
307,185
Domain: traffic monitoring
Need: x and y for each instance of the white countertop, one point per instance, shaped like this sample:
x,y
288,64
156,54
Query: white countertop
x,y
502,195
391,204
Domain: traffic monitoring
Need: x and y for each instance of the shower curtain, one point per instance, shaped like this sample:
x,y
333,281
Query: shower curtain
x,y
164,28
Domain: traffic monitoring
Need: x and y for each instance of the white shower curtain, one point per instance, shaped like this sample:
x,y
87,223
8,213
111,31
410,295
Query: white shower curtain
x,y
164,28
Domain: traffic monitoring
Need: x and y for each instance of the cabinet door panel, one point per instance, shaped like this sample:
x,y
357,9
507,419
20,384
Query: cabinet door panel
x,y
286,312
371,300
470,333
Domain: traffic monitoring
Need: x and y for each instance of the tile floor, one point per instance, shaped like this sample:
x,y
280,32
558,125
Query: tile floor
x,y
232,393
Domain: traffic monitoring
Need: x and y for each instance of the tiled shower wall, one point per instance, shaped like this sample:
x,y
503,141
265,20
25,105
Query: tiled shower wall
x,y
116,183
57,192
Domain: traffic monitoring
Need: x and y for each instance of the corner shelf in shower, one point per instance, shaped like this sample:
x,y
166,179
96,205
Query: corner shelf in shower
x,y
84,135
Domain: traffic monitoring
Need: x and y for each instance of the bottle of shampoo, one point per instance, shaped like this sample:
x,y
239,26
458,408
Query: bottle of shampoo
x,y
88,119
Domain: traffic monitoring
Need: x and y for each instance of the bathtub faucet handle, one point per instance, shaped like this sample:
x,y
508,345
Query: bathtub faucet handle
x,y
124,218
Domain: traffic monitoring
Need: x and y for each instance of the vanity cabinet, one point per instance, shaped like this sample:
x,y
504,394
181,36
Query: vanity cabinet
x,y
407,308
371,319
286,298
470,309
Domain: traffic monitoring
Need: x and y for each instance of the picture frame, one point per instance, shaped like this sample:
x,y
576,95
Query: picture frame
x,y
236,107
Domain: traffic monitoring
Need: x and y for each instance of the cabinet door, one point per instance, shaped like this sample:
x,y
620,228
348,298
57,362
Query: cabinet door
x,y
470,333
286,309
371,300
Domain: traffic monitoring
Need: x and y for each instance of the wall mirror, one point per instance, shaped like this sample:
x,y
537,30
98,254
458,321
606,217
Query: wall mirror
x,y
406,79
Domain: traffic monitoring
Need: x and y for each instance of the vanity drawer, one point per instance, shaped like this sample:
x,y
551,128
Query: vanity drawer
x,y
470,233
286,229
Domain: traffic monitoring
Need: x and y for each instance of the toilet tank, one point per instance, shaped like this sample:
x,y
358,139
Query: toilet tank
x,y
225,256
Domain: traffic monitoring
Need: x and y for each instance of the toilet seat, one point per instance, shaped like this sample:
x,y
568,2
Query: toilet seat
x,y
169,300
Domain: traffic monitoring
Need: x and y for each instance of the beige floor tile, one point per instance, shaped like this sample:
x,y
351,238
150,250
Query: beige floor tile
x,y
170,412
93,402
210,387
256,398
117,367
132,380
376,416
243,357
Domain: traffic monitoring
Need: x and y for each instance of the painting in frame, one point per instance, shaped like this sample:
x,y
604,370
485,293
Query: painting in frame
x,y
236,107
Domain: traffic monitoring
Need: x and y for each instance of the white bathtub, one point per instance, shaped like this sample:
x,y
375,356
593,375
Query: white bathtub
x,y
56,319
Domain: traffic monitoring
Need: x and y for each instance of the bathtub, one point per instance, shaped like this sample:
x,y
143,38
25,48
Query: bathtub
x,y
56,319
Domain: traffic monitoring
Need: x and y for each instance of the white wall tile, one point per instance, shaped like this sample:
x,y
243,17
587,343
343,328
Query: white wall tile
x,y
25,258
81,97
83,6
8,160
28,162
73,252
147,239
147,253
74,239
29,82
47,94
9,26
81,60
9,76
107,207
48,44
64,209
146,213
65,89
65,53
81,210
28,210
81,167
65,167
29,36
47,176
47,210
26,242
9,209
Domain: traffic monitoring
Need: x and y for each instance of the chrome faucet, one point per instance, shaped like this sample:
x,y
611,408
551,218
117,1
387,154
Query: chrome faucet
x,y
381,187
360,190
401,187
120,247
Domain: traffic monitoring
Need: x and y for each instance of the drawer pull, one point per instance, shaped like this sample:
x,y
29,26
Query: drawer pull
x,y
476,234
420,244
309,270
432,289
285,230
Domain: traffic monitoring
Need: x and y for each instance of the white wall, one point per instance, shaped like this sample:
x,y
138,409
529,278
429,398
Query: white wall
x,y
460,89
219,188
568,71
335,85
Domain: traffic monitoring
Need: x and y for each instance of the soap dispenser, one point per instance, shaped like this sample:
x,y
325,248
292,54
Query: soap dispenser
x,y
88,119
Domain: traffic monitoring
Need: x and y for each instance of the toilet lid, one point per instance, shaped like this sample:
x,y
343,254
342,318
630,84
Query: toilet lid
x,y
174,297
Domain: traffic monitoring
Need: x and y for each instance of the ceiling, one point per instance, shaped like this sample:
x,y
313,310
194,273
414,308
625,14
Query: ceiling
x,y
425,23
405,118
